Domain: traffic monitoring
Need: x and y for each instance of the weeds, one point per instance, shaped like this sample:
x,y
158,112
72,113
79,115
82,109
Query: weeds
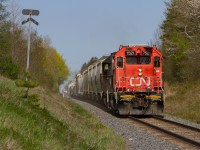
x,y
183,100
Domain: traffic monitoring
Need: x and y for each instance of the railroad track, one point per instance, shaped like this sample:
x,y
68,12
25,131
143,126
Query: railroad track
x,y
187,136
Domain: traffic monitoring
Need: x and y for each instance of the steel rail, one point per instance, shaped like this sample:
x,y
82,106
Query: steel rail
x,y
177,123
190,141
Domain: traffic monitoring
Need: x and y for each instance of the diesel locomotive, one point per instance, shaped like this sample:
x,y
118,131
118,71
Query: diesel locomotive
x,y
129,81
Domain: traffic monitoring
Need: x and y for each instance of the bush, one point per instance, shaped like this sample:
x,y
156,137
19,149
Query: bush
x,y
9,69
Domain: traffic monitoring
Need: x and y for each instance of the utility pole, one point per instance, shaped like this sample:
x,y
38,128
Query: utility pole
x,y
31,13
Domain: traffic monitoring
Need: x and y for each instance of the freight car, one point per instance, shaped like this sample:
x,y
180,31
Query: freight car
x,y
71,88
129,81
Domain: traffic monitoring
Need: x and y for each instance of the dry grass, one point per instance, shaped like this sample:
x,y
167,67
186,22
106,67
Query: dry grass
x,y
3,78
183,100
58,106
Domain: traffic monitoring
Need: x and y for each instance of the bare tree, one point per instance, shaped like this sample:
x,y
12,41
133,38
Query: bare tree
x,y
46,41
156,38
15,19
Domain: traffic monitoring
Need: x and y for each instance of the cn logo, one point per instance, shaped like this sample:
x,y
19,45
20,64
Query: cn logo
x,y
139,81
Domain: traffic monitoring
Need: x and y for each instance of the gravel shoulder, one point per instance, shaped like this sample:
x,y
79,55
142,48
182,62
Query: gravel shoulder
x,y
136,138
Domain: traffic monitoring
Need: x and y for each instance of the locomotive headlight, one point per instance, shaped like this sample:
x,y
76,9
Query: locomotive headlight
x,y
140,70
140,74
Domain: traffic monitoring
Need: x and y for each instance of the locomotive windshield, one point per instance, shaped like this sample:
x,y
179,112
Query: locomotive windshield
x,y
145,60
131,60
138,60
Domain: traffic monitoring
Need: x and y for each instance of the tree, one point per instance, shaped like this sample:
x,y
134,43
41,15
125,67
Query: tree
x,y
7,65
47,66
180,37
16,31
156,39
3,12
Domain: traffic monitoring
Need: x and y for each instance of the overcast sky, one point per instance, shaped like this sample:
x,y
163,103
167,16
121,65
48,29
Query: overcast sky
x,y
81,29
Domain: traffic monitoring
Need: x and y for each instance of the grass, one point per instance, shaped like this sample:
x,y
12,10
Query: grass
x,y
183,100
87,127
46,121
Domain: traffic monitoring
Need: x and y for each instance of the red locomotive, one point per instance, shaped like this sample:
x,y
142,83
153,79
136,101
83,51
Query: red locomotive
x,y
129,81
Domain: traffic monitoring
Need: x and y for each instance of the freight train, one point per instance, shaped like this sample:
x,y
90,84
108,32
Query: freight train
x,y
129,81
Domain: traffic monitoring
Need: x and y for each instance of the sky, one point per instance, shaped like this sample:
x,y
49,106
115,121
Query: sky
x,y
81,29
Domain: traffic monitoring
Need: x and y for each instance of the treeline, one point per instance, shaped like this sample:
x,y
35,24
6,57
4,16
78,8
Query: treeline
x,y
47,66
181,40
86,65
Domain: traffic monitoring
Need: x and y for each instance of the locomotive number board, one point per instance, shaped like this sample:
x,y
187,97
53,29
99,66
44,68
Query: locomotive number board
x,y
146,53
129,53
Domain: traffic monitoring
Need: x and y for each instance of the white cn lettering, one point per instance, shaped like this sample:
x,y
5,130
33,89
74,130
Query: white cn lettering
x,y
142,80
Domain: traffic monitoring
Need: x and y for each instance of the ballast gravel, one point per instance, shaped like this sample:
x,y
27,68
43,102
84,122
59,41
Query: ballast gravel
x,y
136,138
183,121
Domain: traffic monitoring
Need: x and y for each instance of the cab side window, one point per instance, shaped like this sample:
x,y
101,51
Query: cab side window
x,y
120,62
156,61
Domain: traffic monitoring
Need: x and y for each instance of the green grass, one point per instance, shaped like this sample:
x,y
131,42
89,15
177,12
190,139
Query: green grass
x,y
183,100
54,124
